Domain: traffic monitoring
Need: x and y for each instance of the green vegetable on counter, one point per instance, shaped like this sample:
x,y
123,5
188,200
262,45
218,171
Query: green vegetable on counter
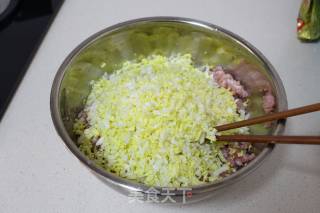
x,y
308,22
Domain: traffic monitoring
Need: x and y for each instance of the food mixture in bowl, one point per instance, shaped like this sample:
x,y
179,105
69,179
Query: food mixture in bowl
x,y
153,121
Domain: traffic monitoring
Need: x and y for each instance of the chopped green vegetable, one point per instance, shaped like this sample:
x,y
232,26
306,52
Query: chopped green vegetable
x,y
148,121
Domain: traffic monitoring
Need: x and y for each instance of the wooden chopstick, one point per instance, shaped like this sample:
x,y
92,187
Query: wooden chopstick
x,y
270,139
270,117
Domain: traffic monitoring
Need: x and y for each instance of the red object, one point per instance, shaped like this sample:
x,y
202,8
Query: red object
x,y
189,194
300,24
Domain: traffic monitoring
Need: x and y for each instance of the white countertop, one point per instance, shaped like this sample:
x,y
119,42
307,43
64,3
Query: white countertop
x,y
38,174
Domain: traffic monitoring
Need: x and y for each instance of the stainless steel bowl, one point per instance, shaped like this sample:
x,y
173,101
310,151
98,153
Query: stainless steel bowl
x,y
107,49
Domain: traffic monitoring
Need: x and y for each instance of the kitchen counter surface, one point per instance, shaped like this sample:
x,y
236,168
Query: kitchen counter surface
x,y
38,174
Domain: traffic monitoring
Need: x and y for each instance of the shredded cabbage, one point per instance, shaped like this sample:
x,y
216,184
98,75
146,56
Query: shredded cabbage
x,y
149,121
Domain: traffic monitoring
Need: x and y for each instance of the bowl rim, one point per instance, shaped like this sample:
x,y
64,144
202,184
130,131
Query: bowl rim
x,y
133,185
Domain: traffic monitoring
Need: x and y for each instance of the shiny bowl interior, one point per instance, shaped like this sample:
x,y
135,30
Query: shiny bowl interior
x,y
106,50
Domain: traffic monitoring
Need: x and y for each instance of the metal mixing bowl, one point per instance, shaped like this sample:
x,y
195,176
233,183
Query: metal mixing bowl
x,y
107,49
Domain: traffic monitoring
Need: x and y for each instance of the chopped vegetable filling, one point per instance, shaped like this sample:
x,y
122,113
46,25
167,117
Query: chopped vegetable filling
x,y
153,121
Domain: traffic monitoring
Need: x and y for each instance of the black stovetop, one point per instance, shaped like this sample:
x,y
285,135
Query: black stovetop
x,y
22,26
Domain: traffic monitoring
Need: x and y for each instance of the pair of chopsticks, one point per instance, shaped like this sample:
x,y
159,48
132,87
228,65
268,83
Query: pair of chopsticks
x,y
270,138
